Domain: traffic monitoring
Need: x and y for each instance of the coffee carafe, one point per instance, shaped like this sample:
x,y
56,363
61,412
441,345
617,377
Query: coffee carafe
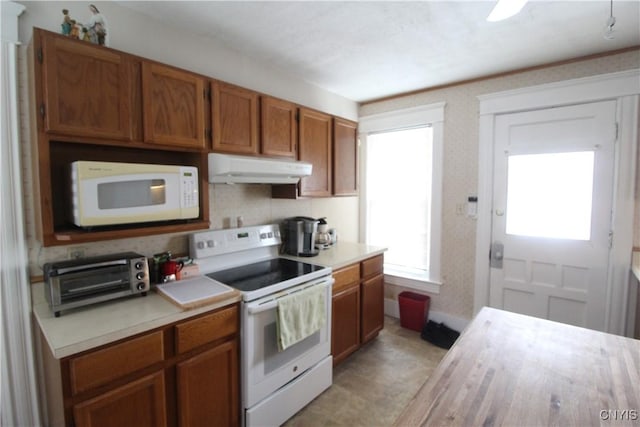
x,y
300,236
323,238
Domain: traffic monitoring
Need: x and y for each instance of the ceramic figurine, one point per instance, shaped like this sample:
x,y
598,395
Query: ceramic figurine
x,y
70,27
67,25
97,27
75,30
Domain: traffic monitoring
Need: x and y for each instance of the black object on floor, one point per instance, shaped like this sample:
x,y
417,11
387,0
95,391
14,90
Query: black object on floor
x,y
439,334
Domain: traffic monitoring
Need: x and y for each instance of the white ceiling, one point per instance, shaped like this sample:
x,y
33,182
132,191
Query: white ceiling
x,y
365,50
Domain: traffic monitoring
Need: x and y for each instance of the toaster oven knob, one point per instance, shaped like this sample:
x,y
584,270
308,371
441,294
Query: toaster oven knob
x,y
140,286
140,275
138,265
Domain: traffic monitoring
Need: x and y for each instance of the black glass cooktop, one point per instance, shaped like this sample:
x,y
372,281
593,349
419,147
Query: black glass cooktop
x,y
262,274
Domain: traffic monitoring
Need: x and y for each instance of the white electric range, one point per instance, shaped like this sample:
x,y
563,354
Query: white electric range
x,y
275,384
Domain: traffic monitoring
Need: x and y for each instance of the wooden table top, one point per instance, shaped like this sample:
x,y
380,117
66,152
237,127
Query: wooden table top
x,y
508,369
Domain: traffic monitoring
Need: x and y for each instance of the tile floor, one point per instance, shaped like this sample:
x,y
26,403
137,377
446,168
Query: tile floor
x,y
372,387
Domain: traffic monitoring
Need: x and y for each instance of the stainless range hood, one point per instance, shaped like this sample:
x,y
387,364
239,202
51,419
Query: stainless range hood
x,y
231,169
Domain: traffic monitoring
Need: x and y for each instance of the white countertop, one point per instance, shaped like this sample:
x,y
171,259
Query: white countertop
x,y
342,254
84,328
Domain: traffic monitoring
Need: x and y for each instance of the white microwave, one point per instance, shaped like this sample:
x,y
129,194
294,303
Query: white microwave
x,y
109,193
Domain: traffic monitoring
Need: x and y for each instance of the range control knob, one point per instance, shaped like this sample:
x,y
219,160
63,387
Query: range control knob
x,y
200,245
140,275
140,286
138,265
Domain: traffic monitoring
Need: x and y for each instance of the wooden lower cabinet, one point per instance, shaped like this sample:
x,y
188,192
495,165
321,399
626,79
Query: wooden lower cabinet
x,y
372,307
208,388
182,374
345,328
357,306
139,403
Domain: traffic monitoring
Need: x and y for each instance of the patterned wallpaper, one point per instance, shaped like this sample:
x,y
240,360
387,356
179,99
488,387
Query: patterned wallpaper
x,y
461,164
254,203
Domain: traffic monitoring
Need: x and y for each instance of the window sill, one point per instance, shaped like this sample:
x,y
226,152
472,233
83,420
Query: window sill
x,y
419,283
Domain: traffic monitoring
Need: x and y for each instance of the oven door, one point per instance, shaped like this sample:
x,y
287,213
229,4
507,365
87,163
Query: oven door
x,y
265,369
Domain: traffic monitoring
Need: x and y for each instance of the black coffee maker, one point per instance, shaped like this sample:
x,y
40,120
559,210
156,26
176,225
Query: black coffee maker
x,y
300,236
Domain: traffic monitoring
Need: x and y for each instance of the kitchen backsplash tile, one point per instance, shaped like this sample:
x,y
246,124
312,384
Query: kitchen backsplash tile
x,y
252,202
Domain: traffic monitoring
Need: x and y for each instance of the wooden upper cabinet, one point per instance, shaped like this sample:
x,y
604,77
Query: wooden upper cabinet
x,y
315,147
345,158
86,89
173,106
279,135
235,119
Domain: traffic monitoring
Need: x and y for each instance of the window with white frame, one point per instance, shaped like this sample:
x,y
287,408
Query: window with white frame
x,y
401,194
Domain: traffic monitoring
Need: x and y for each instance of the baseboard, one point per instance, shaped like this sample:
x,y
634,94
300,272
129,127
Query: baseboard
x,y
392,309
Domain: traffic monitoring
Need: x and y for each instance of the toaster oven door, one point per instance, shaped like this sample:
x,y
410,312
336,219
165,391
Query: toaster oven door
x,y
109,280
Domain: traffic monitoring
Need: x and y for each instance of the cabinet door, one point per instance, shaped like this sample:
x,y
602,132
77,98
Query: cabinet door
x,y
315,148
86,89
235,119
139,403
345,158
345,323
208,388
372,307
279,127
173,106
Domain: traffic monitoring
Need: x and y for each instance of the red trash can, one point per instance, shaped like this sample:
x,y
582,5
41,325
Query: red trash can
x,y
414,310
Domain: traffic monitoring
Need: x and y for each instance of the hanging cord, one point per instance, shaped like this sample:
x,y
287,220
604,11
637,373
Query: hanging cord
x,y
608,29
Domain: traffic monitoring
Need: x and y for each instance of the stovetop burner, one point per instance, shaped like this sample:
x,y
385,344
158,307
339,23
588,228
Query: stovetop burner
x,y
263,274
248,259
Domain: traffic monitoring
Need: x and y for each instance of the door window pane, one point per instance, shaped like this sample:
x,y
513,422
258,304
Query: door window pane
x,y
550,195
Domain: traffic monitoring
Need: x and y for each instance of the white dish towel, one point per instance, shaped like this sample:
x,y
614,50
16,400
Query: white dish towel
x,y
300,315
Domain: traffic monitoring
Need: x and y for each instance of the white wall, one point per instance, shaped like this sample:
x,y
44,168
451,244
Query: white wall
x,y
460,172
132,33
137,34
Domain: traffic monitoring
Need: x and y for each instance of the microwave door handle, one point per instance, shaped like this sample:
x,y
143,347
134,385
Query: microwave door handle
x,y
88,266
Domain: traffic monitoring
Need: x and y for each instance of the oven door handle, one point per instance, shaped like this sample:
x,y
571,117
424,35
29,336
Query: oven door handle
x,y
263,307
271,304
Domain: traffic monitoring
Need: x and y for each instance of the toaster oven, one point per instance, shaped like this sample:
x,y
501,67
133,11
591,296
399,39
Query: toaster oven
x,y
76,283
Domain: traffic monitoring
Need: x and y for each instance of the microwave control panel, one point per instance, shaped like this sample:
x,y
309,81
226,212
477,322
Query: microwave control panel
x,y
189,186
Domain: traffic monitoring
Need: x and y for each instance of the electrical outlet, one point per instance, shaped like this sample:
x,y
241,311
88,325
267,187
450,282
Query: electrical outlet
x,y
75,253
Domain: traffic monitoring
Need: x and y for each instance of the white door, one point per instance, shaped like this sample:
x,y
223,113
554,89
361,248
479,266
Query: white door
x,y
552,208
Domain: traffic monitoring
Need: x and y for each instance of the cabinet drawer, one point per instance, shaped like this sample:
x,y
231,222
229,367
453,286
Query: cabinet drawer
x,y
197,332
346,276
373,266
102,366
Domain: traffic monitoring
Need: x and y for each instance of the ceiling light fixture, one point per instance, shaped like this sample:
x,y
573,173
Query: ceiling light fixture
x,y
505,9
608,29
